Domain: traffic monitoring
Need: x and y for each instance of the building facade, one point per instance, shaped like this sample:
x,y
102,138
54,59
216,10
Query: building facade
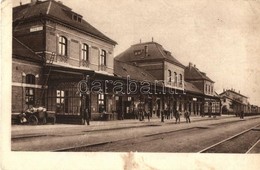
x,y
70,50
62,62
210,103
233,102
179,94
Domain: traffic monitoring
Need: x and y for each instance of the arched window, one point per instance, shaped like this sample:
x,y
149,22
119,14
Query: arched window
x,y
29,91
103,59
175,78
169,76
63,45
85,52
180,79
206,88
30,79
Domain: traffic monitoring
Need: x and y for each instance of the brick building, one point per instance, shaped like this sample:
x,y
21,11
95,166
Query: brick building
x,y
26,79
56,53
153,59
69,50
210,102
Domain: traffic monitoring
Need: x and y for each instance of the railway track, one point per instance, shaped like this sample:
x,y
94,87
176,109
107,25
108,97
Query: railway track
x,y
143,139
242,142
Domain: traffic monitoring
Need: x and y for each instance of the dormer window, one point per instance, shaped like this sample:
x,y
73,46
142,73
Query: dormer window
x,y
77,17
146,50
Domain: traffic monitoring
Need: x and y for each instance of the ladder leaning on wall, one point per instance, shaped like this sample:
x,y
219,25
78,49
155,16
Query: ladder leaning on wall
x,y
46,75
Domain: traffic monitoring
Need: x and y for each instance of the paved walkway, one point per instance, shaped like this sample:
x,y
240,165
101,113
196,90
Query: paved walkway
x,y
107,125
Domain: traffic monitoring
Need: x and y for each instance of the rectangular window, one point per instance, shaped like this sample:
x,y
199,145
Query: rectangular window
x,y
63,46
85,52
29,96
101,103
60,95
103,58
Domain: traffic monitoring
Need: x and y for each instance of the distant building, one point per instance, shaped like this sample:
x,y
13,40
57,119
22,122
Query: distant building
x,y
233,102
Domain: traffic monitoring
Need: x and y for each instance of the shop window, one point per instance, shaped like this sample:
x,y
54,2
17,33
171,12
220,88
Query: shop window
x,y
85,52
101,103
63,45
60,96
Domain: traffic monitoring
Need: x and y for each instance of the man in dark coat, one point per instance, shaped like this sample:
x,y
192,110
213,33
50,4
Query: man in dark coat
x,y
177,116
187,116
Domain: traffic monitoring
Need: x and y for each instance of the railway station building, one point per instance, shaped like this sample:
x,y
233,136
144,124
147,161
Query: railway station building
x,y
69,50
184,89
233,102
63,63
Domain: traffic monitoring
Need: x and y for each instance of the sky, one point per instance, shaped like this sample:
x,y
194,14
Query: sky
x,y
221,37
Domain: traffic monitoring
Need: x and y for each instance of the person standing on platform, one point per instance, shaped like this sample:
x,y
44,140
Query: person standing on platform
x,y
242,114
177,116
187,116
162,116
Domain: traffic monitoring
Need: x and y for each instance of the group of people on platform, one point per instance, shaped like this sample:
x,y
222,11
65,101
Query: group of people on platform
x,y
141,114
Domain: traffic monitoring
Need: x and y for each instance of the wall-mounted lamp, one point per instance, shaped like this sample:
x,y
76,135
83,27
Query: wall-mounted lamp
x,y
37,76
23,74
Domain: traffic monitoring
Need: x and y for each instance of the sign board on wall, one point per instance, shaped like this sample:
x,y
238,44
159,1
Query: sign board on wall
x,y
36,28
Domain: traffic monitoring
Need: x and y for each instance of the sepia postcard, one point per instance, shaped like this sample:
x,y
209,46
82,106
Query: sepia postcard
x,y
139,84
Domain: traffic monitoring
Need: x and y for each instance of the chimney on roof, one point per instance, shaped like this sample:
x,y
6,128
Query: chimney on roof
x,y
33,2
152,39
190,65
194,65
140,41
223,90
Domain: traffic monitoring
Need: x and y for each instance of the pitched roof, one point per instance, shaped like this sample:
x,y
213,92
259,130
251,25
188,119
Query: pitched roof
x,y
189,87
123,69
155,51
193,73
232,91
59,12
22,51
